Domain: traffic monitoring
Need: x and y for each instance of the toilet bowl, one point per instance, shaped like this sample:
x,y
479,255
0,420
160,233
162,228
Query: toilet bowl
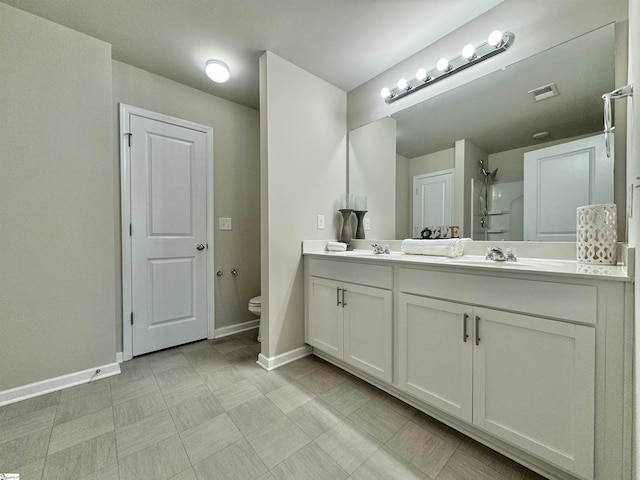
x,y
255,307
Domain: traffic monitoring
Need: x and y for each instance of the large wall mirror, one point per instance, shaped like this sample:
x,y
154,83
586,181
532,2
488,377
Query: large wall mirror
x,y
494,119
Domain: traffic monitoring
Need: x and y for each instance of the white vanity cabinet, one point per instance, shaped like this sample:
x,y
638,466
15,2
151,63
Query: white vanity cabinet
x,y
350,321
527,380
532,363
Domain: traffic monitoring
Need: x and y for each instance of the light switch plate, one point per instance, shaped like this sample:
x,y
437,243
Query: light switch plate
x,y
225,223
320,222
367,224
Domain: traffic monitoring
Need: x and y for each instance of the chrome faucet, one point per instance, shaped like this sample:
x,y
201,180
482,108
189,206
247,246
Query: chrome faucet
x,y
497,254
380,249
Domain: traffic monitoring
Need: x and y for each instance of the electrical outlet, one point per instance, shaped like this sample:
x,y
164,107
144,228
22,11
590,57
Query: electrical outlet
x,y
224,223
367,224
320,222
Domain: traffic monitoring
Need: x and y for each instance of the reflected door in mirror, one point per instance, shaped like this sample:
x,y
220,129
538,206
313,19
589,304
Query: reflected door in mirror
x,y
432,200
559,179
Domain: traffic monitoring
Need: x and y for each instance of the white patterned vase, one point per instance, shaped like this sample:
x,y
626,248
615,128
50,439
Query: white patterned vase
x,y
596,234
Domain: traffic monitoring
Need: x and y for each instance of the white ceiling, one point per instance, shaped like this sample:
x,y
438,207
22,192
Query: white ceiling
x,y
345,42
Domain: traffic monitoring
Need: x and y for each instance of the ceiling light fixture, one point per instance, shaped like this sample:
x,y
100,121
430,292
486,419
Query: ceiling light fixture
x,y
540,135
495,44
217,70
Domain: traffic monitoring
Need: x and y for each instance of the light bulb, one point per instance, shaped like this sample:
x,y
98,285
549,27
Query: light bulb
x,y
217,71
385,92
495,38
469,51
442,65
422,75
402,84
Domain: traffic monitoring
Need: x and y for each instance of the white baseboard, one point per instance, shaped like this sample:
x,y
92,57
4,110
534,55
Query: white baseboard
x,y
271,363
218,332
57,383
237,328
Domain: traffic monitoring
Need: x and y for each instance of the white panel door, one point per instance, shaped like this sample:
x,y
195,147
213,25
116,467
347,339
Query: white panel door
x,y
326,327
168,241
432,200
435,353
534,386
368,325
559,179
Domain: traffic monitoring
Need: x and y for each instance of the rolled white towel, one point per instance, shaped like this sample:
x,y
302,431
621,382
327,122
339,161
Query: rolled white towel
x,y
446,247
336,246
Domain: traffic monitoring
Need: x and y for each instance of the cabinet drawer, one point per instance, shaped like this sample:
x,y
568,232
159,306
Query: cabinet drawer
x,y
557,300
359,273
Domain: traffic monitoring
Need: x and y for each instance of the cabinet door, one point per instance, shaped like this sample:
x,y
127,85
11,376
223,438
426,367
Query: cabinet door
x,y
325,316
435,353
368,330
534,386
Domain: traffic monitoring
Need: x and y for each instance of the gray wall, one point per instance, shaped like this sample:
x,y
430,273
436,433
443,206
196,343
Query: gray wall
x,y
304,174
236,153
60,286
57,215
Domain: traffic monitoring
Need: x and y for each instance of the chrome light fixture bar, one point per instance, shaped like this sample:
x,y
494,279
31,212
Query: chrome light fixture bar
x,y
496,43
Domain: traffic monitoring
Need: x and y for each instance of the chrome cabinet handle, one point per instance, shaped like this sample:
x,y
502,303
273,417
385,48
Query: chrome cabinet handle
x,y
465,335
200,246
344,303
477,330
338,303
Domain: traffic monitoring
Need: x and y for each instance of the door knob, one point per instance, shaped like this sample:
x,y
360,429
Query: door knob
x,y
200,246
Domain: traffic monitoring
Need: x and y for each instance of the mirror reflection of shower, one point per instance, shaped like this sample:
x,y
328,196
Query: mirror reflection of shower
x,y
488,176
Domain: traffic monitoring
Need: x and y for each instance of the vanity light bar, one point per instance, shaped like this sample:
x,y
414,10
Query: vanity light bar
x,y
496,43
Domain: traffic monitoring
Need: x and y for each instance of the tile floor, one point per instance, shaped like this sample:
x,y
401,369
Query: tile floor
x,y
207,411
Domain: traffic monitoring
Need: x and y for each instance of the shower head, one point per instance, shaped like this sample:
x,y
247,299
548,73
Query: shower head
x,y
487,174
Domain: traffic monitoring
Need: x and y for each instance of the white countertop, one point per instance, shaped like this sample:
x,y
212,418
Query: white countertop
x,y
478,263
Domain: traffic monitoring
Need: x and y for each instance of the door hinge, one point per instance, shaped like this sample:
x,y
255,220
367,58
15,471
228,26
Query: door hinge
x,y
129,135
130,230
131,318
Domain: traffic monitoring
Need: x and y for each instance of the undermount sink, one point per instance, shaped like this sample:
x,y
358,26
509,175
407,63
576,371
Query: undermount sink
x,y
522,262
368,253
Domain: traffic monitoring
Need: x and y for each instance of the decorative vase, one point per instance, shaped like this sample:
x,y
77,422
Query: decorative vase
x,y
596,234
346,234
360,229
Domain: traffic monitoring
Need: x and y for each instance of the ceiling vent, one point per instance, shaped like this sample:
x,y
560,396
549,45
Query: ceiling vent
x,y
544,92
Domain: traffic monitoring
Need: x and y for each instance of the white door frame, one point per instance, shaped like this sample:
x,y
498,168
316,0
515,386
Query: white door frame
x,y
125,212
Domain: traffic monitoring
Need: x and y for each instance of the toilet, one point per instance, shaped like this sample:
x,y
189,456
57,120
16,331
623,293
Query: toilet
x,y
255,307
